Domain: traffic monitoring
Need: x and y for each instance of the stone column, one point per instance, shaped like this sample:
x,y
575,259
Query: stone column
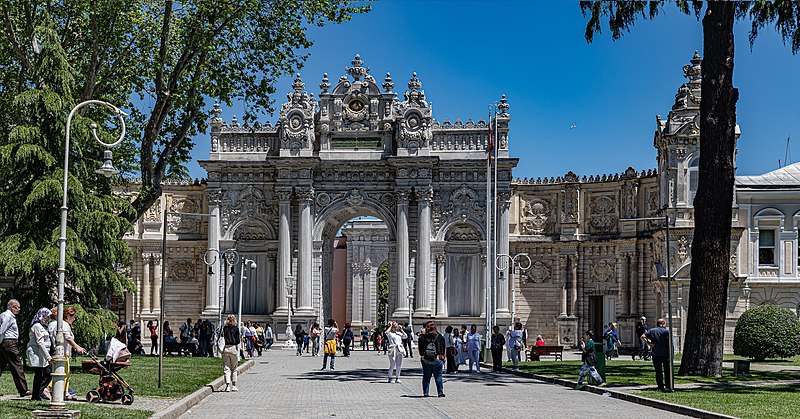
x,y
563,276
441,309
424,254
402,255
284,250
305,258
146,284
624,286
157,283
271,283
633,283
212,281
573,285
502,248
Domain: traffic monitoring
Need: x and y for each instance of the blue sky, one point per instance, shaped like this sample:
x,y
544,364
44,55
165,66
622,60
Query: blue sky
x,y
468,53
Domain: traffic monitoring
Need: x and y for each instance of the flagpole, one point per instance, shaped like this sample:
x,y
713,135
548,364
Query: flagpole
x,y
487,277
494,217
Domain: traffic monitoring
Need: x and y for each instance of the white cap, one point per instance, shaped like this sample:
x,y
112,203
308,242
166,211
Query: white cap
x,y
643,318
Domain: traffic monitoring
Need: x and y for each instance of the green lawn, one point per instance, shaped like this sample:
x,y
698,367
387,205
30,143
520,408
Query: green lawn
x,y
18,409
745,402
793,361
182,376
639,372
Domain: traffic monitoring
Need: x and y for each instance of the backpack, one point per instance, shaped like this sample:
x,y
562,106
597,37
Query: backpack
x,y
430,351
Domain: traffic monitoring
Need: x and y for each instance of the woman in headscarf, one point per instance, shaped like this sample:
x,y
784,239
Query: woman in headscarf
x,y
39,353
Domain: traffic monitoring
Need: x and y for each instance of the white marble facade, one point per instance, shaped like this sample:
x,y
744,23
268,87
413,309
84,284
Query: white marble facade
x,y
283,191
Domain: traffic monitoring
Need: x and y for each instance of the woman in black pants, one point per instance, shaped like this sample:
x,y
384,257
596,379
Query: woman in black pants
x,y
498,340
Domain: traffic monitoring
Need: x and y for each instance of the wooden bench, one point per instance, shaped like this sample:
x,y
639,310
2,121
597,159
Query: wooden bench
x,y
534,353
181,348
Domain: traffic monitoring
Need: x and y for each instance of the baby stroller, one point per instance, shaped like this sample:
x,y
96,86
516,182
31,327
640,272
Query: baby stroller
x,y
111,386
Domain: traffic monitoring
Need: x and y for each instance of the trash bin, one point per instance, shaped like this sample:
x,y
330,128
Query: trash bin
x,y
599,351
741,366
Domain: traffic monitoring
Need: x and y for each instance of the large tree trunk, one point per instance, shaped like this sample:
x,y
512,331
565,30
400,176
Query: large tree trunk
x,y
705,323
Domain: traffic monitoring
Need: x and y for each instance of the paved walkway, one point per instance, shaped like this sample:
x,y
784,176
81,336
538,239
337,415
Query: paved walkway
x,y
284,385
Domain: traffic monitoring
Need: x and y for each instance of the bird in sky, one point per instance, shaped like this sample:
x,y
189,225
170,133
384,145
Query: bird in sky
x,y
573,126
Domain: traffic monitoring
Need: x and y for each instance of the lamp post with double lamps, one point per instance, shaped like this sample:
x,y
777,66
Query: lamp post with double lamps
x,y
410,286
252,265
289,280
107,170
524,263
669,279
230,257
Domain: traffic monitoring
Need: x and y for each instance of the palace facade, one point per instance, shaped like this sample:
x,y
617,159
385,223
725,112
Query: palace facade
x,y
281,194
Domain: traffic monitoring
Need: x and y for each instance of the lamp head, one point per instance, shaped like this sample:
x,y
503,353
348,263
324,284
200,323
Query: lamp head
x,y
290,281
107,169
252,264
210,270
410,281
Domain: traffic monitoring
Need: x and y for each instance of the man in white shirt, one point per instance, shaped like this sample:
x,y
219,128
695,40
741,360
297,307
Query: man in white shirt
x,y
9,351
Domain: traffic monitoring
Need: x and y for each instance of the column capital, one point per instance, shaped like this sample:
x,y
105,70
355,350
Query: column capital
x,y
402,196
147,257
284,196
305,194
156,257
425,194
440,258
214,197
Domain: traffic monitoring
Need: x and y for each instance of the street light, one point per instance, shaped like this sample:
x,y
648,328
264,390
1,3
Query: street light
x,y
289,279
57,401
669,278
252,265
410,286
511,262
229,257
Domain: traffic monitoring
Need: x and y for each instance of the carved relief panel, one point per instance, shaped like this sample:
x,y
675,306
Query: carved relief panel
x,y
537,215
602,211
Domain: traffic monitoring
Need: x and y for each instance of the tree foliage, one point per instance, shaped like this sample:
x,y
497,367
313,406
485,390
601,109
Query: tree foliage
x,y
383,292
704,340
767,331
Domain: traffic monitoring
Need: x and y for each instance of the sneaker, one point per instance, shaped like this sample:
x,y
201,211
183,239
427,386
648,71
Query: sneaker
x,y
234,388
69,391
397,381
603,384
390,380
441,395
332,367
322,369
227,388
580,386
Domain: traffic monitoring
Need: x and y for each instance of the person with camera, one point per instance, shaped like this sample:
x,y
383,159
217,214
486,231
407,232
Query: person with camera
x,y
395,335
431,353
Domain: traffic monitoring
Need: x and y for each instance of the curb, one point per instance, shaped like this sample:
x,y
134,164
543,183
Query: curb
x,y
628,397
183,405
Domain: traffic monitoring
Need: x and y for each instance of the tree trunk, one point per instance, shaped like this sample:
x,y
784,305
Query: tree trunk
x,y
705,323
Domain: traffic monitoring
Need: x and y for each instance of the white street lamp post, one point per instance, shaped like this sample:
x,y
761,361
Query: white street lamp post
x,y
511,261
107,170
252,265
230,257
289,286
410,286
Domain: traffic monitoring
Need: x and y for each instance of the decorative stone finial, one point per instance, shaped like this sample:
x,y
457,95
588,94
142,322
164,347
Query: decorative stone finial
x,y
388,85
217,111
357,71
298,84
503,106
693,72
414,84
216,120
325,85
234,122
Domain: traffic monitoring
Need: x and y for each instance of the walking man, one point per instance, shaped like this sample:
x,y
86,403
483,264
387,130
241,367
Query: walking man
x,y
9,351
431,353
407,341
641,328
658,339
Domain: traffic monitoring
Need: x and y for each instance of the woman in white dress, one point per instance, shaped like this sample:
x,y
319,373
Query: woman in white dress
x,y
461,351
394,336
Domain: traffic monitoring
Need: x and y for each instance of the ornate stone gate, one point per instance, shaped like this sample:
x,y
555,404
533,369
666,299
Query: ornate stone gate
x,y
283,191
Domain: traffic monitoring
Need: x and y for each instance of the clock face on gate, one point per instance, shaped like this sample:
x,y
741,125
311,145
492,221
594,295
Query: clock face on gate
x,y
356,105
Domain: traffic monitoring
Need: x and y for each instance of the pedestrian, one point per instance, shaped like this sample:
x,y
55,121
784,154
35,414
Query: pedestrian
x,y
658,340
347,340
611,339
269,336
395,335
589,358
186,331
248,334
135,340
461,349
209,337
474,347
169,336
641,328
376,340
202,339
260,338
121,332
230,360
364,338
39,354
329,349
431,353
152,327
498,340
299,336
9,351
449,349
407,342
314,336
516,345
70,315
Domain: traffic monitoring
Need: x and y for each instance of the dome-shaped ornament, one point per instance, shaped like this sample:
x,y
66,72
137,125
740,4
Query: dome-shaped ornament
x,y
325,85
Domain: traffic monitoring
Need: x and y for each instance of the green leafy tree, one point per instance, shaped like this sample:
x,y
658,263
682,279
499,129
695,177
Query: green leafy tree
x,y
31,153
383,292
703,344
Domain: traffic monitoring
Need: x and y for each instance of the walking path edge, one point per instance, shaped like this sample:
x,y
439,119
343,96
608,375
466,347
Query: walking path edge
x,y
628,397
181,406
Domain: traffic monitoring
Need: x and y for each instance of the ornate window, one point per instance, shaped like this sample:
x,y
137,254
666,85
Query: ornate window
x,y
766,247
692,176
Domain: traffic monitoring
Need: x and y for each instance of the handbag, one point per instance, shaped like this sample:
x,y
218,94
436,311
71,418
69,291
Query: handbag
x,y
591,359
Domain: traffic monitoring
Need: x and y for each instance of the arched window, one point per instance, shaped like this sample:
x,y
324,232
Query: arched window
x,y
692,176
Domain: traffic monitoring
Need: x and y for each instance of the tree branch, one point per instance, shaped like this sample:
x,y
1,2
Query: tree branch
x,y
12,37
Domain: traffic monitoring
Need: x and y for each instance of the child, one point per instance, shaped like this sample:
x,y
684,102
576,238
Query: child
x,y
589,359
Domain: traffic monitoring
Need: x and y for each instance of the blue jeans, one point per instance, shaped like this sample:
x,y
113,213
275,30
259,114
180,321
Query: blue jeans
x,y
325,360
299,345
432,368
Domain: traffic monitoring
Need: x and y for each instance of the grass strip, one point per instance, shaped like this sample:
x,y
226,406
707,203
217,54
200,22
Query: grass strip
x,y
14,409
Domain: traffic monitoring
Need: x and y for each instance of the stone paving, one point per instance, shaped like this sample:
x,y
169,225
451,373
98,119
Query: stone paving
x,y
284,385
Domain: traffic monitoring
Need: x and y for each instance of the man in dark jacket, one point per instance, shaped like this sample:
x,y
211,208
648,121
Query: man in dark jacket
x,y
431,353
658,339
409,338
